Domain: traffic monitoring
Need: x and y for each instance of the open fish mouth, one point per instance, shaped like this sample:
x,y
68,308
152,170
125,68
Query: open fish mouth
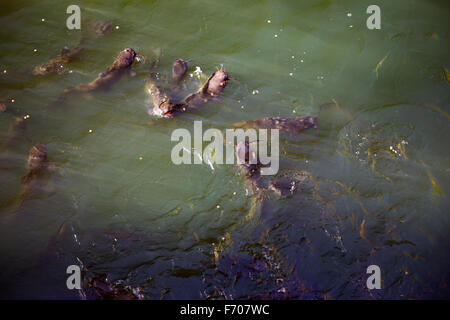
x,y
160,113
168,114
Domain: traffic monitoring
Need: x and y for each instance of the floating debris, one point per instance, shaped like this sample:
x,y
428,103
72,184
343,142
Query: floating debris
x,y
436,189
361,229
196,237
380,64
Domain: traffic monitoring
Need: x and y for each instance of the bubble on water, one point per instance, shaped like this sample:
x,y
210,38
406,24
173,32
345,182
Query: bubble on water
x,y
197,72
268,21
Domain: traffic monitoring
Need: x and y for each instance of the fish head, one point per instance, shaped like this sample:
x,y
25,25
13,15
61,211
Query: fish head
x,y
125,58
45,68
37,156
218,82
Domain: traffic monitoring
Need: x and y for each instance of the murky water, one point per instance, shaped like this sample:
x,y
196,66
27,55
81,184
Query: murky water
x,y
375,174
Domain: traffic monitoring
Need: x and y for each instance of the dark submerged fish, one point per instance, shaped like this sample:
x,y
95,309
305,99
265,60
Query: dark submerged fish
x,y
14,139
100,28
105,290
3,107
294,124
15,132
32,182
59,64
36,165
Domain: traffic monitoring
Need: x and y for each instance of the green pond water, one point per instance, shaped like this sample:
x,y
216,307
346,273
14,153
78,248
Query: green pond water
x,y
375,173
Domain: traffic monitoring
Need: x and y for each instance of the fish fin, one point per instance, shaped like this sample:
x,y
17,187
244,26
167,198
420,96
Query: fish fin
x,y
65,51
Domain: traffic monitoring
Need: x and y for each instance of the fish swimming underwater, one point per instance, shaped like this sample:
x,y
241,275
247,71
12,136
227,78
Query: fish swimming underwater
x,y
285,125
59,63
